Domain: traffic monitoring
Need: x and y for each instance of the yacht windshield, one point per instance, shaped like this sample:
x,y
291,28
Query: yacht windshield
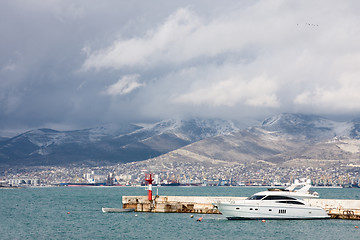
x,y
256,197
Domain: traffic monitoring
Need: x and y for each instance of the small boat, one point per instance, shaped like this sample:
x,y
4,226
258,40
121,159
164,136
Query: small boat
x,y
274,204
117,210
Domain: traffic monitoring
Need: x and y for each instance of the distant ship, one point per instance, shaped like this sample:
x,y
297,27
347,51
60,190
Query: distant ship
x,y
170,184
349,185
82,184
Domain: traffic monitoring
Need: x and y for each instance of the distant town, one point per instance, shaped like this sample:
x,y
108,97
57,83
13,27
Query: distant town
x,y
133,174
193,152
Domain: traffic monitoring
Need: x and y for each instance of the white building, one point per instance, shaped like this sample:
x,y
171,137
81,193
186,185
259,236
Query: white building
x,y
24,181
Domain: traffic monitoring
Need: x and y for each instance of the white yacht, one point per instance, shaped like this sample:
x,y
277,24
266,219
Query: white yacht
x,y
274,204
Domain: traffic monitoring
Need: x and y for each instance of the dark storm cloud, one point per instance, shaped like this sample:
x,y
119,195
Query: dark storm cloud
x,y
80,63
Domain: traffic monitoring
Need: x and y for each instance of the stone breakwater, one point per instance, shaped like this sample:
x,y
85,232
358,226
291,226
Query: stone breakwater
x,y
336,208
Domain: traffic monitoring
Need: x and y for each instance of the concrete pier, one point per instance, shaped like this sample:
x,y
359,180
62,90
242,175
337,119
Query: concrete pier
x,y
339,208
336,208
174,204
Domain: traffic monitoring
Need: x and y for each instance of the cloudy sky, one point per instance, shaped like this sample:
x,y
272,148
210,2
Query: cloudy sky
x,y
73,64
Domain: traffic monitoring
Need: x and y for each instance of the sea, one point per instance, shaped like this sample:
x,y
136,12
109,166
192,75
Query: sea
x,y
75,213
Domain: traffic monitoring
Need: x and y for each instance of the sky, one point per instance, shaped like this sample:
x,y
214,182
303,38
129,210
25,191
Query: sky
x,y
81,63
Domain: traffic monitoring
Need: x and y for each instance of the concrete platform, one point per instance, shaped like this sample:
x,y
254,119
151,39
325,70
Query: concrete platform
x,y
336,208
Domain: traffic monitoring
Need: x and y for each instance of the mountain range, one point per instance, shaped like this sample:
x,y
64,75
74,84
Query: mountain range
x,y
284,140
281,140
107,144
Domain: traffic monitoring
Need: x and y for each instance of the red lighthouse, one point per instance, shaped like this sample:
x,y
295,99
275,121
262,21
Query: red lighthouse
x,y
149,180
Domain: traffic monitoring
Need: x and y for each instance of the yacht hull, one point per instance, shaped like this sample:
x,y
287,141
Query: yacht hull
x,y
250,210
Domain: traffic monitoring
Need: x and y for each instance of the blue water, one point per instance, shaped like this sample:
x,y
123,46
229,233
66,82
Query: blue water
x,y
75,213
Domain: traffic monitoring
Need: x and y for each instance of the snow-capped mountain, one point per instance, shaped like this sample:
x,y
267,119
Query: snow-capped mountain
x,y
285,139
108,143
193,130
310,127
282,140
354,131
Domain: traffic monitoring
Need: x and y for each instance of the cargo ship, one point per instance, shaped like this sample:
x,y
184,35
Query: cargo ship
x,y
82,184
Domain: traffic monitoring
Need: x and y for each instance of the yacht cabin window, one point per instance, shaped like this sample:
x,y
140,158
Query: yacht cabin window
x,y
275,197
256,197
291,202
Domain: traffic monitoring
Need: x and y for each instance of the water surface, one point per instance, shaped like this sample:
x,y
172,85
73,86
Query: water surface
x,y
75,213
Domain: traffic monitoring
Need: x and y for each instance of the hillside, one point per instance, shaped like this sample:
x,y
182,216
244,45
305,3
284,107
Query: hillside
x,y
288,140
107,144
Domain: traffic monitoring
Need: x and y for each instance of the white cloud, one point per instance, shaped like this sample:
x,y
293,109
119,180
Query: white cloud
x,y
124,86
155,45
184,36
342,97
259,92
278,55
242,58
